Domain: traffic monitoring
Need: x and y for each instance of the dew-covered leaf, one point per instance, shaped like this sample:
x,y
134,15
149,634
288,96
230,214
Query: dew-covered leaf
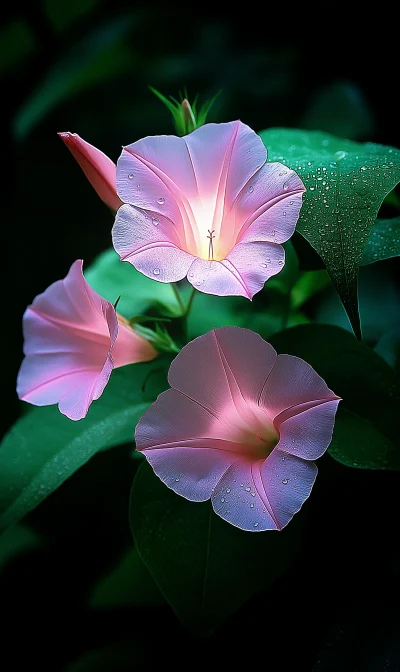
x,y
346,183
384,241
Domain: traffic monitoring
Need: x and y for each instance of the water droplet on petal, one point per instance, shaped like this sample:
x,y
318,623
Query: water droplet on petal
x,y
285,185
255,524
241,485
264,265
252,506
156,221
291,202
284,213
191,275
251,189
177,480
268,260
161,201
285,481
131,176
280,262
222,499
228,490
247,489
156,271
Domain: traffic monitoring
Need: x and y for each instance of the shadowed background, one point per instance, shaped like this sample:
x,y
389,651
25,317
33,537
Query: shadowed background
x,y
84,66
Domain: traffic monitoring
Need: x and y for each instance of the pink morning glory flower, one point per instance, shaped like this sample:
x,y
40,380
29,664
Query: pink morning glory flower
x,y
98,168
206,206
240,425
72,341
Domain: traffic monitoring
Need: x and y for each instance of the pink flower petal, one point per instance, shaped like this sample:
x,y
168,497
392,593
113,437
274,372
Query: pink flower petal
x,y
268,208
211,434
190,472
149,244
287,480
247,358
70,333
176,419
256,263
292,382
98,168
264,495
239,500
242,273
308,433
188,183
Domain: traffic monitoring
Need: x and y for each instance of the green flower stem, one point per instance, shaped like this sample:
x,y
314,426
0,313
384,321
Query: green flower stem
x,y
178,297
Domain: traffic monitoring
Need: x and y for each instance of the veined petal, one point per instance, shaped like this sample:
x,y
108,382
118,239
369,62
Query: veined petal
x,y
190,472
308,433
239,501
149,243
293,382
268,208
286,481
98,168
256,262
70,333
219,356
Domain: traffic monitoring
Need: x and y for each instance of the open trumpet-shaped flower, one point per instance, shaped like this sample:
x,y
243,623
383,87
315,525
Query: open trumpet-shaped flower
x,y
240,425
207,206
72,341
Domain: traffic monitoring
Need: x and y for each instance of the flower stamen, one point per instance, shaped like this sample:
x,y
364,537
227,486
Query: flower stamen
x,y
210,244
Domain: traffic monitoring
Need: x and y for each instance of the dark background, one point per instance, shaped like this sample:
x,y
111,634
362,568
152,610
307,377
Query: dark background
x,y
85,67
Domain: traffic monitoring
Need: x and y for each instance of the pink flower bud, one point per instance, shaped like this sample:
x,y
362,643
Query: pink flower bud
x,y
98,168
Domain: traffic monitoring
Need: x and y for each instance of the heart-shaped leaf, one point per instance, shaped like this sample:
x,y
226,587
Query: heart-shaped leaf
x,y
346,183
44,448
204,567
368,436
384,241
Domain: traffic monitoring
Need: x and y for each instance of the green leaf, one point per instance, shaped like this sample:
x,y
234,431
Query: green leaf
x,y
346,183
112,278
129,583
384,241
308,284
44,447
369,388
204,567
357,443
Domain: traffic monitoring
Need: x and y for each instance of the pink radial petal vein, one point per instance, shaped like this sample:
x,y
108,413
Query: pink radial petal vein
x,y
207,206
72,341
235,428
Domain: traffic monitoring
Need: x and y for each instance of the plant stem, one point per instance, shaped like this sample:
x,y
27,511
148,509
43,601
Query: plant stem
x,y
178,297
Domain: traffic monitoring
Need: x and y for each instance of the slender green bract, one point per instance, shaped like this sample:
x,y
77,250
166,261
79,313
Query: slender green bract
x,y
346,183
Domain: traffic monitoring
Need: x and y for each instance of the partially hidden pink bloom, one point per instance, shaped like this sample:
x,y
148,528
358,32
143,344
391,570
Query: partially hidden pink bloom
x,y
72,341
240,425
98,168
206,206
